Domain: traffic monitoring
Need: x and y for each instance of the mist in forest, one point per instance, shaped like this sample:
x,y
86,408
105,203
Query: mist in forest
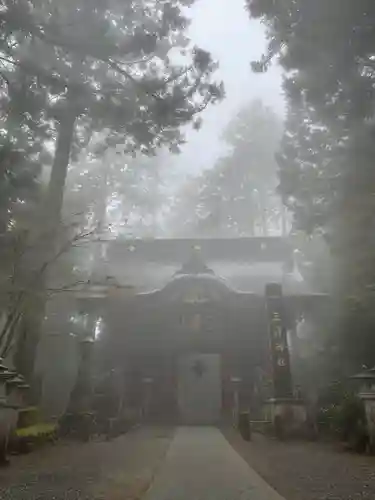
x,y
249,123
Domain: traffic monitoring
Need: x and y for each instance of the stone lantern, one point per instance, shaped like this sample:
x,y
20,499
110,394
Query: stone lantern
x,y
78,419
236,384
367,382
148,387
5,375
16,391
90,298
367,395
8,412
80,400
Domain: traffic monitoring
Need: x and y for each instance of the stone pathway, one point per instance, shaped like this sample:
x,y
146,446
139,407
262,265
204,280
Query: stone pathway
x,y
201,465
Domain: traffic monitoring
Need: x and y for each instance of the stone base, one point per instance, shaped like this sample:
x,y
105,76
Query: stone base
x,y
8,423
287,416
369,403
78,425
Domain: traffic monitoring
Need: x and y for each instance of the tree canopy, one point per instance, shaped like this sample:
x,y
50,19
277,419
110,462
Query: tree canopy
x,y
98,65
237,197
117,190
90,75
326,159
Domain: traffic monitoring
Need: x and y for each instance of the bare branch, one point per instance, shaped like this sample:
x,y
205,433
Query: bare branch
x,y
115,66
70,287
24,293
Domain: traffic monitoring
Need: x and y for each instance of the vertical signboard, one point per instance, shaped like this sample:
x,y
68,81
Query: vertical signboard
x,y
279,352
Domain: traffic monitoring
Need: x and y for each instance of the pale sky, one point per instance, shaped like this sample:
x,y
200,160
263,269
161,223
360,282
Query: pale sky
x,y
223,28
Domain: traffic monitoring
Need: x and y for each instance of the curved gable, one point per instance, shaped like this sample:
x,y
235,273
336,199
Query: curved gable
x,y
194,289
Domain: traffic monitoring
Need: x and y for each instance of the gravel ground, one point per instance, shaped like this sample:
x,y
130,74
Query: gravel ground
x,y
119,469
308,471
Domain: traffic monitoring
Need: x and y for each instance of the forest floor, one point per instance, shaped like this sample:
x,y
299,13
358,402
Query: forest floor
x,y
306,470
120,469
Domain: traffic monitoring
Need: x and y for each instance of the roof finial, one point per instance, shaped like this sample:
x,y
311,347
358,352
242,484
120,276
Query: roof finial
x,y
195,265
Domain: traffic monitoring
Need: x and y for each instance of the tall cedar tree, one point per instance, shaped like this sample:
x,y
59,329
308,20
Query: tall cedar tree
x,y
101,65
327,52
104,65
237,196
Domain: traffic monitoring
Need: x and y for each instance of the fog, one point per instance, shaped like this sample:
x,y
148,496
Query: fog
x,y
234,42
186,239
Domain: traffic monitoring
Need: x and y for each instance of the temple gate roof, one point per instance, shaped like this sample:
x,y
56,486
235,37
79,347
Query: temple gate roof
x,y
242,265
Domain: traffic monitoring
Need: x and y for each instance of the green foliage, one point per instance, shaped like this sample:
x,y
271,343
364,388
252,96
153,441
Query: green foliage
x,y
117,190
326,157
307,171
23,135
41,430
18,185
342,413
72,68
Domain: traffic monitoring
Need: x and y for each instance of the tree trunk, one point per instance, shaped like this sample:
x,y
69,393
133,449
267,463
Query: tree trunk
x,y
57,181
284,224
262,207
264,214
34,316
264,223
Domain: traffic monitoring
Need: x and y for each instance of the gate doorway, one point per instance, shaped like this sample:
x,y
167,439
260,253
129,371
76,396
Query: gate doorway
x,y
199,389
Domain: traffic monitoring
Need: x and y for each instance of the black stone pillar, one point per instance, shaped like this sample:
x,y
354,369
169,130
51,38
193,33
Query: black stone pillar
x,y
78,420
279,352
81,397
